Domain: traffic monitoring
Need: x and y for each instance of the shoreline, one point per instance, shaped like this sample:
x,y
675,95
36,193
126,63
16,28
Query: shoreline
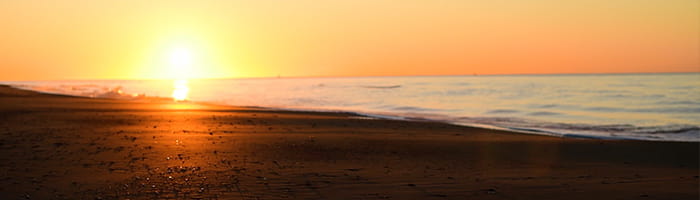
x,y
419,118
61,147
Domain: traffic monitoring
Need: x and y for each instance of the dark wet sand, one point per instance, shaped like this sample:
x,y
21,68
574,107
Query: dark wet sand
x,y
58,147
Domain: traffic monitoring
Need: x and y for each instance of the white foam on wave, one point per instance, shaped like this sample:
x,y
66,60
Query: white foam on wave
x,y
676,133
85,90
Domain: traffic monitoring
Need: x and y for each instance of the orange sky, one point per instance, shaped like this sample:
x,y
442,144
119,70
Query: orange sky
x,y
134,39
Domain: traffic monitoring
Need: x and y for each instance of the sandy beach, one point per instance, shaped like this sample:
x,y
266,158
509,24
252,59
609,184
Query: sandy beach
x,y
62,147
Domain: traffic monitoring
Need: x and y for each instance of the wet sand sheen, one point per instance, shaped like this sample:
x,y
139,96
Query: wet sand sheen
x,y
57,147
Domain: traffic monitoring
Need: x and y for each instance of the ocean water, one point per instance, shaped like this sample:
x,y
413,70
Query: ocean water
x,y
660,107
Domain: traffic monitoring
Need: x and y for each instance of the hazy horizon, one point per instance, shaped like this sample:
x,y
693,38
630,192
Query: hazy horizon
x,y
377,76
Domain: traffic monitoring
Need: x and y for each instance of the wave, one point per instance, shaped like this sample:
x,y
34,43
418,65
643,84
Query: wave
x,y
502,111
674,132
646,110
381,86
414,109
692,103
84,90
543,113
117,93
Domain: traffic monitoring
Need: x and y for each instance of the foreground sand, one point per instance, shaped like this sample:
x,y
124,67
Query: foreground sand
x,y
57,147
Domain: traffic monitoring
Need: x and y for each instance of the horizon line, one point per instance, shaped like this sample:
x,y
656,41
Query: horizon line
x,y
363,76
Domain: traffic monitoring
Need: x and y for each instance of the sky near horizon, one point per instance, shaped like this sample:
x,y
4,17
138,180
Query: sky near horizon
x,y
164,39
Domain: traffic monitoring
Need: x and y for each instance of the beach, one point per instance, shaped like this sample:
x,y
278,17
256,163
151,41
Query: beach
x,y
64,147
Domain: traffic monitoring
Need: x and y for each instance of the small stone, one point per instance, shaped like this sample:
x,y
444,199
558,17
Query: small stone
x,y
491,191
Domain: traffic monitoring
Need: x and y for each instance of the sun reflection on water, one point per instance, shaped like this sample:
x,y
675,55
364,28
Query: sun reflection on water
x,y
180,90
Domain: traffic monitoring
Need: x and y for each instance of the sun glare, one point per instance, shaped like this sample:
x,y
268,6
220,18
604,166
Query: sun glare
x,y
180,61
180,68
181,90
180,57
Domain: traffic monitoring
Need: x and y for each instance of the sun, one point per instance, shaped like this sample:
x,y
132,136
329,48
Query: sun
x,y
180,57
180,63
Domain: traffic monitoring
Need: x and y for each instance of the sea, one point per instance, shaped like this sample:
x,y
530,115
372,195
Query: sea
x,y
657,107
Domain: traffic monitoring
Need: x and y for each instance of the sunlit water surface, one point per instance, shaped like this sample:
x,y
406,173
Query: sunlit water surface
x,y
629,106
